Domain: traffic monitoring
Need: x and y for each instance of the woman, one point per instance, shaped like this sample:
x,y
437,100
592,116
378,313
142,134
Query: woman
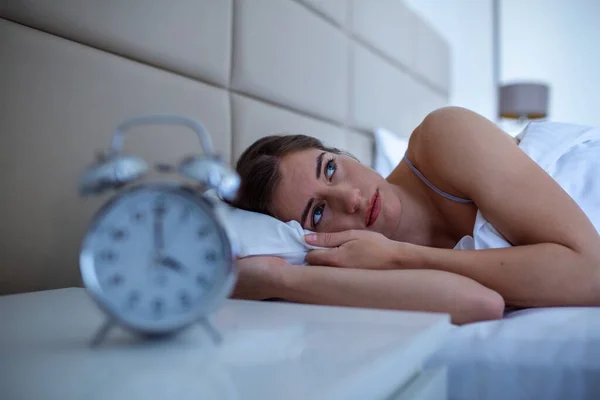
x,y
391,242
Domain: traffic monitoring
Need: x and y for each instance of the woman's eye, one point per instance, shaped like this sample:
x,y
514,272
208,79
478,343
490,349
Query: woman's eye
x,y
330,169
317,215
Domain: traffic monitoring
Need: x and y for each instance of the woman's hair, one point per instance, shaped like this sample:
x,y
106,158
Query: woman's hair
x,y
258,167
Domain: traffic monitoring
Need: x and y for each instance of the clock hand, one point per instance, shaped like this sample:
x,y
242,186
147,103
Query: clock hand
x,y
172,264
159,238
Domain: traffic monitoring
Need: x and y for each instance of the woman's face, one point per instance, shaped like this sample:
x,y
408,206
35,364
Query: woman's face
x,y
328,192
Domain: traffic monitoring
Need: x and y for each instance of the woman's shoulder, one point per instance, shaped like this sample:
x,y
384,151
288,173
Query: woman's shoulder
x,y
425,140
451,143
431,130
428,133
448,129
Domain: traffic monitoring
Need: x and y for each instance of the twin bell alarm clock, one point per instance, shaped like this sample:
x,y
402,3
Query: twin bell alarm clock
x,y
158,256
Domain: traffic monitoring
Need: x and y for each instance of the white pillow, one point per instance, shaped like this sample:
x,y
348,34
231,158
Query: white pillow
x,y
389,151
262,235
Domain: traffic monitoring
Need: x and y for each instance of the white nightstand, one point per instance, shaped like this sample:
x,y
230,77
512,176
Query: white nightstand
x,y
270,351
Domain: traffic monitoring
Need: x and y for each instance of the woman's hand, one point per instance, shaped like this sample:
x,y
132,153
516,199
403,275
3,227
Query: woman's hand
x,y
354,249
258,278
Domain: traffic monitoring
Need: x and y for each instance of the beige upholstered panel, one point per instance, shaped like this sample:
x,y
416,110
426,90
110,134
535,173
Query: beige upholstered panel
x,y
335,69
287,54
59,103
337,10
427,100
433,57
389,26
360,145
192,37
254,119
383,96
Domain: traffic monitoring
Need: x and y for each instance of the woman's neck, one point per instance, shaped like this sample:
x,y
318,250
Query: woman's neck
x,y
421,220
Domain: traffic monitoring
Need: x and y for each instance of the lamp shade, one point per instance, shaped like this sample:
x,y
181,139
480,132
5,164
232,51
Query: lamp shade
x,y
524,101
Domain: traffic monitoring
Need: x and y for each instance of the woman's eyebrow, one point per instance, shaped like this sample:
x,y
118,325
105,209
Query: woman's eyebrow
x,y
319,164
306,210
310,202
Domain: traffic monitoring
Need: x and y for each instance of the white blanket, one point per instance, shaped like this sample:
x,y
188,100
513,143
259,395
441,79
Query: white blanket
x,y
542,353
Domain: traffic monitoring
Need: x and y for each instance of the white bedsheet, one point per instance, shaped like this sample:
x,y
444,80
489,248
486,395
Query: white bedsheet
x,y
544,353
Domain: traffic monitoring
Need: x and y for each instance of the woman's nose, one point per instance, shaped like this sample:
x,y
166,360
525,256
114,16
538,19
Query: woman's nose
x,y
347,199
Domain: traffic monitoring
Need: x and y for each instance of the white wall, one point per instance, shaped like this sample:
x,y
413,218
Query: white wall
x,y
557,41
467,26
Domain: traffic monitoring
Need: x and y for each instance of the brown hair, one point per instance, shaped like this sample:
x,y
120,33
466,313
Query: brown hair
x,y
258,167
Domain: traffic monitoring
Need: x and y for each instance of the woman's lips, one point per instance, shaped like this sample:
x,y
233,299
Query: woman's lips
x,y
373,209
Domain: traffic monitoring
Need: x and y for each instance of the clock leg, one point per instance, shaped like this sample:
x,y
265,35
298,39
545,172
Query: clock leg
x,y
211,330
101,333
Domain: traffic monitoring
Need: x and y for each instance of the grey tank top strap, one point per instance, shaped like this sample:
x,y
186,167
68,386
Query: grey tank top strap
x,y
433,187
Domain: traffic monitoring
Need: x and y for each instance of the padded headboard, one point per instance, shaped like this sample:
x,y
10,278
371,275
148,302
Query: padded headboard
x,y
71,70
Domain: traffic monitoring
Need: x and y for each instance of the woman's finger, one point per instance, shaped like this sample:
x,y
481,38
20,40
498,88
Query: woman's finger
x,y
327,257
329,239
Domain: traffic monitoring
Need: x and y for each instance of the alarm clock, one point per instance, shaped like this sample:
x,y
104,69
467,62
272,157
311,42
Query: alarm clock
x,y
158,256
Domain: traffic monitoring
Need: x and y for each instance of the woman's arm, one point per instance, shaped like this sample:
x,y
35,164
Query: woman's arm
x,y
418,290
544,274
557,258
437,291
538,275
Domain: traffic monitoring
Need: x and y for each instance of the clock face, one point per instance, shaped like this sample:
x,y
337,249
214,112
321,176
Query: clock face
x,y
156,258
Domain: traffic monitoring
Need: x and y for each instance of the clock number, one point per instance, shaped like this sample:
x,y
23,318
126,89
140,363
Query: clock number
x,y
119,234
139,217
202,281
203,232
116,280
133,299
159,208
185,214
184,300
107,256
157,307
210,256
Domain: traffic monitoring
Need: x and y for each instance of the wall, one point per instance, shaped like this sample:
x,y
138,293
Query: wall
x,y
467,27
555,41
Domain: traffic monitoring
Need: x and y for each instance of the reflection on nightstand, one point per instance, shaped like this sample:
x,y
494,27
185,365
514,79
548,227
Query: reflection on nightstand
x,y
270,351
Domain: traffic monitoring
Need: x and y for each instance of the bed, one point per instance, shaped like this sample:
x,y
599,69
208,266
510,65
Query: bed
x,y
336,69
